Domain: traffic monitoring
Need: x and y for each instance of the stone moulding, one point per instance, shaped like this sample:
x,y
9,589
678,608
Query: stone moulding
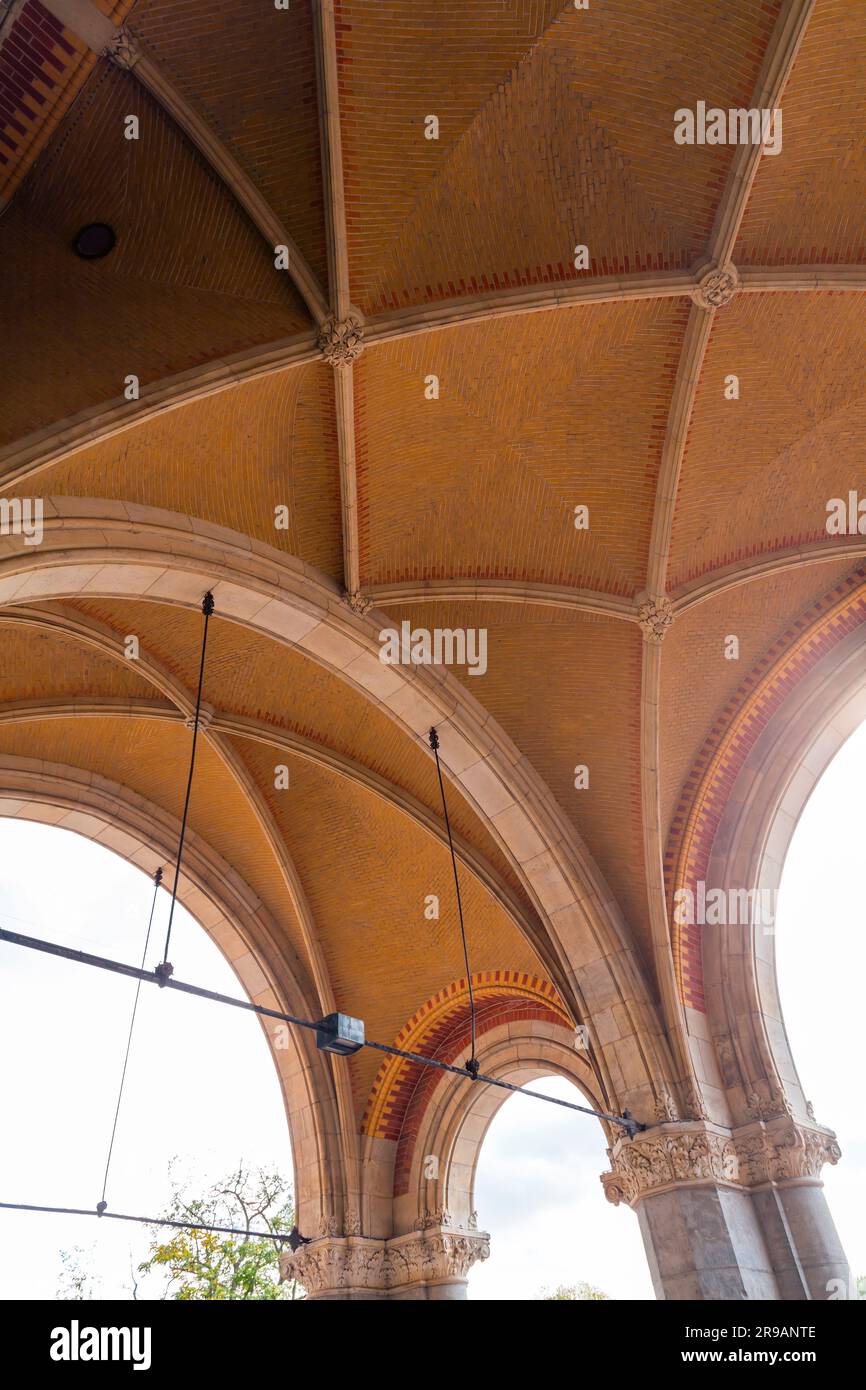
x,y
378,1266
748,1157
205,718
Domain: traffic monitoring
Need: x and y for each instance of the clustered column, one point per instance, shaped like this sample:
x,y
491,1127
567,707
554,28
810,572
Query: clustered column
x,y
732,1214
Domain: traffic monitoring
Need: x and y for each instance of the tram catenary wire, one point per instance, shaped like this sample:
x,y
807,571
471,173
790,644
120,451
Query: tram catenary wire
x,y
280,1236
626,1121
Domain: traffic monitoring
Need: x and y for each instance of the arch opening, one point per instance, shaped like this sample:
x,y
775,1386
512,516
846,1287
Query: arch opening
x,y
201,1099
247,942
536,1189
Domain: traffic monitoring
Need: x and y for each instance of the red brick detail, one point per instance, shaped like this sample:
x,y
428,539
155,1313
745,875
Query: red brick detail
x,y
706,791
441,1026
410,1095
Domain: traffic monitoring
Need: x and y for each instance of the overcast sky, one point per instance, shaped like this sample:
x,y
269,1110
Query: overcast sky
x,y
201,1085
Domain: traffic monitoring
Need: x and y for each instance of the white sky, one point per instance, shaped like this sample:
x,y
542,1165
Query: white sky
x,y
201,1084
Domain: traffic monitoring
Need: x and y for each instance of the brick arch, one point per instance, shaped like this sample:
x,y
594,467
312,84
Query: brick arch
x,y
441,1028
707,790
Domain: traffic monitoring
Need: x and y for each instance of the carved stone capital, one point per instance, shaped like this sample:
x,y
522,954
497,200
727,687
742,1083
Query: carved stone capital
x,y
437,1255
767,1100
698,1153
716,286
336,1263
441,1217
358,602
124,50
665,1157
780,1151
665,1107
655,615
340,341
434,1255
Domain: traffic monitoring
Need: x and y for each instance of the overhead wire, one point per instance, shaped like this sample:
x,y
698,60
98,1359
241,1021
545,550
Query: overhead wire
x,y
147,1220
624,1121
472,1066
207,608
157,880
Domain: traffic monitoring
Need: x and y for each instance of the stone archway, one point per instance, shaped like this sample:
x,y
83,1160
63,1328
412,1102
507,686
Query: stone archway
x,y
759,1075
424,1130
749,1172
104,549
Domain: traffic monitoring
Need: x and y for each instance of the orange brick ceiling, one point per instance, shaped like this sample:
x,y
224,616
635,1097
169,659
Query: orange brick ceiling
x,y
557,387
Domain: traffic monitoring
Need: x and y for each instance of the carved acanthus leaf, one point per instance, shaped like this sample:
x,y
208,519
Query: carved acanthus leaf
x,y
755,1154
655,615
341,341
433,1254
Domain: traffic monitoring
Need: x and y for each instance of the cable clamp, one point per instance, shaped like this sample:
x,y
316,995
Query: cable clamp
x,y
163,973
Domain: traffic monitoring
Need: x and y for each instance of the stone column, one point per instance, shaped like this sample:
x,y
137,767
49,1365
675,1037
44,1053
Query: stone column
x,y
429,1264
731,1214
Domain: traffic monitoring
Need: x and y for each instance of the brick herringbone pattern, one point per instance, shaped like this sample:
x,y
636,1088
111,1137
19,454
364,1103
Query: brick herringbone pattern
x,y
533,409
807,206
249,676
367,871
504,196
250,70
758,471
39,665
230,459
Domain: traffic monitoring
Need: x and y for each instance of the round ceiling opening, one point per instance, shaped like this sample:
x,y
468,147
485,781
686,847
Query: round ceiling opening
x,y
94,240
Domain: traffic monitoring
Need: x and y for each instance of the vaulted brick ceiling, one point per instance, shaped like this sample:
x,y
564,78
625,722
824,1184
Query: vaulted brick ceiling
x,y
557,387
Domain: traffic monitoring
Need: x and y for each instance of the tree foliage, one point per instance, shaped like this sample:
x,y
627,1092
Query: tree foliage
x,y
572,1292
206,1266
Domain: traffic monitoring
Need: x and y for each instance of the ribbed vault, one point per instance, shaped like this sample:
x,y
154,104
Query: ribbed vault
x,y
285,446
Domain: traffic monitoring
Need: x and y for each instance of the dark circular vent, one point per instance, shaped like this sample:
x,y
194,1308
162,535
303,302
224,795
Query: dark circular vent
x,y
94,240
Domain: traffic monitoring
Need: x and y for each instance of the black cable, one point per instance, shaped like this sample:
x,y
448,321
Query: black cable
x,y
146,1220
472,1064
207,608
157,880
625,1121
